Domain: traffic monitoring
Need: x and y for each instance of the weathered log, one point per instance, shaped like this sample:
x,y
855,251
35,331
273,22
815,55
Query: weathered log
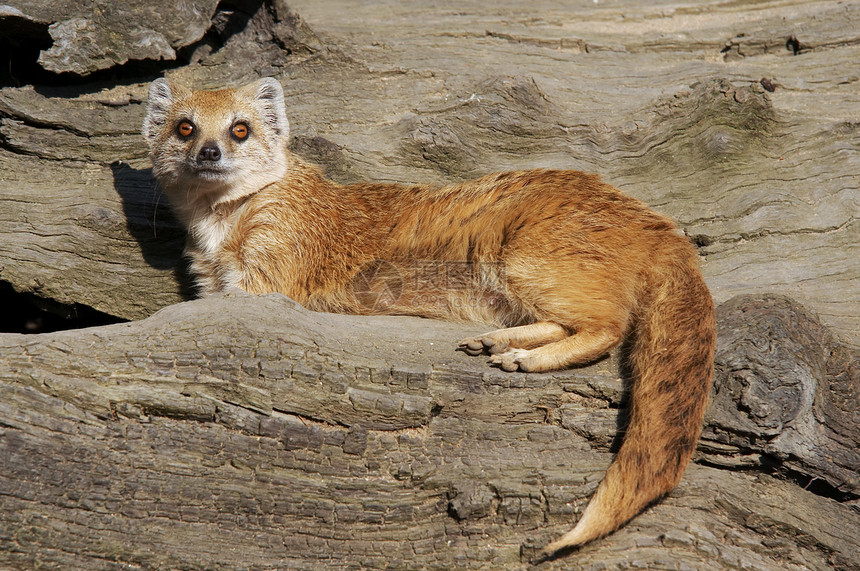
x,y
247,432
787,394
86,37
659,101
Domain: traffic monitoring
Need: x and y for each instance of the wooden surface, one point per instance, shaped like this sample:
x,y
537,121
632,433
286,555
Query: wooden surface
x,y
664,101
248,433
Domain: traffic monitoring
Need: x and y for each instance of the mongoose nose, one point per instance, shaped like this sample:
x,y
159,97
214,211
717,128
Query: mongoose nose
x,y
209,153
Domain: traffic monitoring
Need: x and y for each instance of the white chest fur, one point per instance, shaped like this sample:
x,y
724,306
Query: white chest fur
x,y
208,236
209,232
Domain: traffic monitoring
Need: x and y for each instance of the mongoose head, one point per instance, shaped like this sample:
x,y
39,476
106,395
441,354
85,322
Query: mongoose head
x,y
216,146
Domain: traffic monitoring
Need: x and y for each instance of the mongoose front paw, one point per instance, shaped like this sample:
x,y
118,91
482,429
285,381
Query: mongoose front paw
x,y
513,360
483,344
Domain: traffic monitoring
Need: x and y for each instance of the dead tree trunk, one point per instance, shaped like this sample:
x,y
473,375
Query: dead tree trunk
x,y
244,432
247,432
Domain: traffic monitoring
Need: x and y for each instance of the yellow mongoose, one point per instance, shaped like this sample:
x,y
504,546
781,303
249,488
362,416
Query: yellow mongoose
x,y
569,266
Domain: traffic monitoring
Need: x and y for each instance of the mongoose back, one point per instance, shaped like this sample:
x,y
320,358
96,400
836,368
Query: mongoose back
x,y
567,266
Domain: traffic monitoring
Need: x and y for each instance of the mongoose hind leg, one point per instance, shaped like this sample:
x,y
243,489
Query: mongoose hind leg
x,y
523,337
582,347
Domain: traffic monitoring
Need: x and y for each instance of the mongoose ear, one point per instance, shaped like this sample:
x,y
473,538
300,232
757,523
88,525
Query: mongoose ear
x,y
268,96
161,96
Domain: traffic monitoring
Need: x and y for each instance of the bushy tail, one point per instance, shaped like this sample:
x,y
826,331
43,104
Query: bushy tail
x,y
671,359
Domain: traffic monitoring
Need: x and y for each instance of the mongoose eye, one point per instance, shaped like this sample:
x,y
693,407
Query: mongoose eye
x,y
185,129
240,131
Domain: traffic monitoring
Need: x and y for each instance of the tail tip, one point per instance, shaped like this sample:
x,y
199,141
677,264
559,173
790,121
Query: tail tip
x,y
593,524
570,540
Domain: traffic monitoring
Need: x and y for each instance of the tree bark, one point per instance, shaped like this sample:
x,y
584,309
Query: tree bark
x,y
247,432
244,432
740,122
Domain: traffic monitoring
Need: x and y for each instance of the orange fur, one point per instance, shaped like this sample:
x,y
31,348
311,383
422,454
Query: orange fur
x,y
566,264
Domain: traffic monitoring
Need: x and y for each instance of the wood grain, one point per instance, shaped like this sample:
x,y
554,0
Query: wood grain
x,y
336,442
248,433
